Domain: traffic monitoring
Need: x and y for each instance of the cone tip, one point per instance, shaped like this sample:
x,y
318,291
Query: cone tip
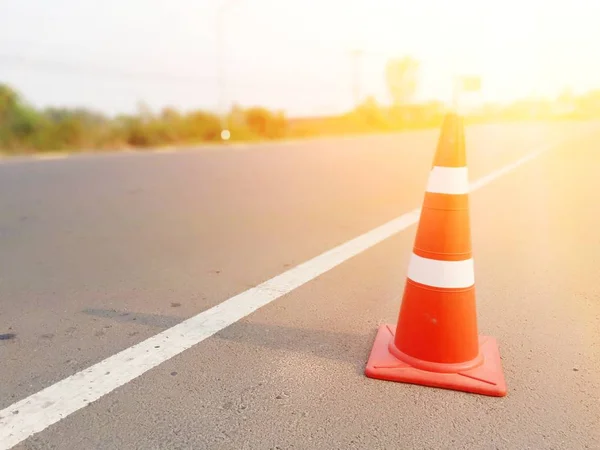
x,y
451,150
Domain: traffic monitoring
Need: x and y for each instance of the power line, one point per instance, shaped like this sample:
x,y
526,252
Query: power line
x,y
300,86
86,69
267,83
357,69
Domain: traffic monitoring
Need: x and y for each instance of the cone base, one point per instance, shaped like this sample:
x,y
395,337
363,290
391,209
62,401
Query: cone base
x,y
486,379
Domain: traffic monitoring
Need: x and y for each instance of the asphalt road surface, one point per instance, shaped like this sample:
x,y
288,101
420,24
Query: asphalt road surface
x,y
99,253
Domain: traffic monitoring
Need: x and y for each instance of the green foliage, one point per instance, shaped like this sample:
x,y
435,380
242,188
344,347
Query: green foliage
x,y
19,123
264,123
25,129
22,128
369,116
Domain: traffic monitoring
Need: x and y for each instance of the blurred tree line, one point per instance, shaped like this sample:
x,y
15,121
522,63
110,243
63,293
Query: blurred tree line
x,y
24,128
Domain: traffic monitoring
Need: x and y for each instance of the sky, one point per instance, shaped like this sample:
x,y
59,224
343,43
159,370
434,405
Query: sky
x,y
110,55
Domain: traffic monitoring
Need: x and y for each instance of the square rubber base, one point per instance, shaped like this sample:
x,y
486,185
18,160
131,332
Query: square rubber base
x,y
486,379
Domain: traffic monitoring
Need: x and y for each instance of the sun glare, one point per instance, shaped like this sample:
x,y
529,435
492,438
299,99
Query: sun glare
x,y
520,49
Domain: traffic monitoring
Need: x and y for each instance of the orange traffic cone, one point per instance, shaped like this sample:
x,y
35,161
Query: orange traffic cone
x,y
435,342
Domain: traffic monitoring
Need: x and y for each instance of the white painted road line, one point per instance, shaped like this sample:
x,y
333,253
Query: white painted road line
x,y
39,157
54,403
164,151
50,156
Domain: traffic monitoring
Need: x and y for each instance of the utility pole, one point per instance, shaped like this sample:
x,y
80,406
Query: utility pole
x,y
225,133
357,55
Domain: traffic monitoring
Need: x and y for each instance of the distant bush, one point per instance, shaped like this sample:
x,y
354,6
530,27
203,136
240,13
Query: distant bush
x,y
26,129
265,124
20,124
23,128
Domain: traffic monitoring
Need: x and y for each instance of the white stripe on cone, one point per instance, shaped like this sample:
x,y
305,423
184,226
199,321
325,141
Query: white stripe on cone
x,y
448,180
441,274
